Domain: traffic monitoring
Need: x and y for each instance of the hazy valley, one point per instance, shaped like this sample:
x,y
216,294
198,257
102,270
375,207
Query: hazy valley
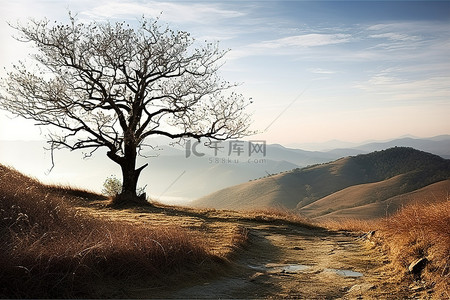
x,y
174,178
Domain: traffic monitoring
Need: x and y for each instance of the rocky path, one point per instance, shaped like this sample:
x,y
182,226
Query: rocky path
x,y
287,261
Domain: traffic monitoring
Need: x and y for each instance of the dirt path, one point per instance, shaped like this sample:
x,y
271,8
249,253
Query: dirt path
x,y
286,261
280,260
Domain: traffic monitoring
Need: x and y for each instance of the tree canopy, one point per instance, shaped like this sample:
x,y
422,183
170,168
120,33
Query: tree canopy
x,y
113,85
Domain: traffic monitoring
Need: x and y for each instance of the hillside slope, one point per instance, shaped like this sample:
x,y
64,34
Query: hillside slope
x,y
357,195
372,177
382,208
49,248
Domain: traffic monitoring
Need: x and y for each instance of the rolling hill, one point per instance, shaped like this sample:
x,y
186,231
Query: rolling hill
x,y
380,208
347,183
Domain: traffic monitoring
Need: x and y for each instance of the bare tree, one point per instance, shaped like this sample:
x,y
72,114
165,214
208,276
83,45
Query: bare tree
x,y
112,85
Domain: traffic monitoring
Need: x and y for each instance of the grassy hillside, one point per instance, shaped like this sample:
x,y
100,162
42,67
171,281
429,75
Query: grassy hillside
x,y
261,193
356,196
376,207
285,190
50,249
384,173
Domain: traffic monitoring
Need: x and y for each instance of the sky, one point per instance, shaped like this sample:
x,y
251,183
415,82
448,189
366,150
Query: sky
x,y
315,70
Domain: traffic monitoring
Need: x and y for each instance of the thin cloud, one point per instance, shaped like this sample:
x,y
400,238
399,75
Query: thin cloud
x,y
172,12
321,71
297,45
396,88
306,40
409,27
395,36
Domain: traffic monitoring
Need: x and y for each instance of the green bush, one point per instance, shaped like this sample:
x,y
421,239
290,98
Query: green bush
x,y
112,186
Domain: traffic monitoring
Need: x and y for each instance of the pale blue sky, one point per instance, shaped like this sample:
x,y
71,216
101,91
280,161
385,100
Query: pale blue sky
x,y
316,71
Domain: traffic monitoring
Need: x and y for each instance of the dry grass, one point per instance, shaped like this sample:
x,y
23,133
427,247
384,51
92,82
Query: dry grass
x,y
349,224
422,230
50,249
272,214
417,230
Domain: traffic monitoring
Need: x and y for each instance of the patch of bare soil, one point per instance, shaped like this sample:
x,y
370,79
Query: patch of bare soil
x,y
279,259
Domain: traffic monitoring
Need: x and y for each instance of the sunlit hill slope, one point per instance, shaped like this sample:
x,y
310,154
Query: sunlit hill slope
x,y
347,183
49,248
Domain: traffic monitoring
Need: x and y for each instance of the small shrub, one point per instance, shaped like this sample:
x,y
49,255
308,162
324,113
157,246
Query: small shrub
x,y
112,186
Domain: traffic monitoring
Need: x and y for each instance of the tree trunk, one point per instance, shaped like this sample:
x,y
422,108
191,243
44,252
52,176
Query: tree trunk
x,y
130,176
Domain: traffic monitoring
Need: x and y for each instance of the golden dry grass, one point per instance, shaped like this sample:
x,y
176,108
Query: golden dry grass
x,y
350,224
417,230
49,248
273,214
422,230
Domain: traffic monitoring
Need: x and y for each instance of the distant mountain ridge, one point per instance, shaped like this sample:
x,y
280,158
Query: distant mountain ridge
x,y
439,145
391,172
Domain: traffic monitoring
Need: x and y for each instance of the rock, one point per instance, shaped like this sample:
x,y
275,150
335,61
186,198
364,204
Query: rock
x,y
417,266
298,248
